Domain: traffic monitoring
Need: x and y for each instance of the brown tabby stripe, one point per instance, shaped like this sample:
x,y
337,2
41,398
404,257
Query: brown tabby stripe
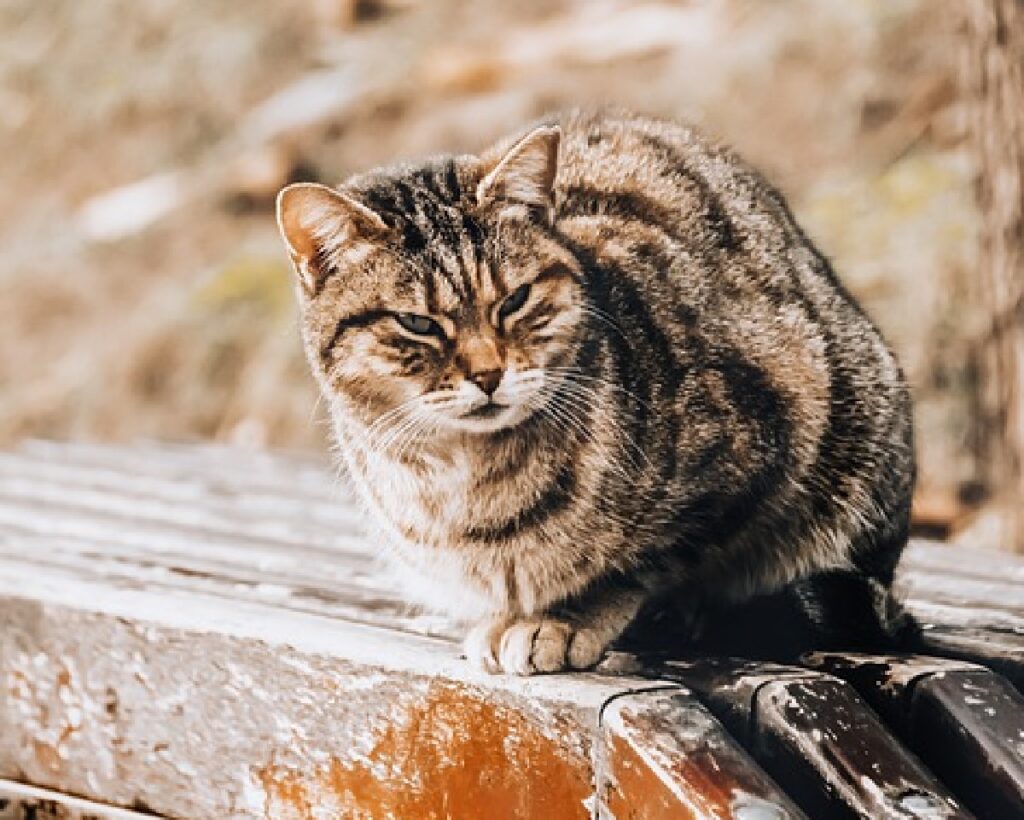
x,y
348,323
716,213
556,497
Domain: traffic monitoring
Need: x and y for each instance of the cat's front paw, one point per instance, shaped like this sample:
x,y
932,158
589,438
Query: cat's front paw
x,y
527,646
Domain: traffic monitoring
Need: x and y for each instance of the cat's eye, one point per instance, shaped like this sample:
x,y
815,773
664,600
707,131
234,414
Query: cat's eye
x,y
514,301
420,325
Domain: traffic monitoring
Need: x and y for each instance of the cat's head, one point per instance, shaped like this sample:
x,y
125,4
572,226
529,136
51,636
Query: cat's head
x,y
437,296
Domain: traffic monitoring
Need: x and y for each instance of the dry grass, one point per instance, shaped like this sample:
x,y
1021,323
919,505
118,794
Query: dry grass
x,y
186,328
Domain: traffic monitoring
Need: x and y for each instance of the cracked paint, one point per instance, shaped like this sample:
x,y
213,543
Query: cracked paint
x,y
446,755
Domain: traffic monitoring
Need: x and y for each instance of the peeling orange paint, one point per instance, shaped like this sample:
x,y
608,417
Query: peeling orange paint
x,y
454,755
286,796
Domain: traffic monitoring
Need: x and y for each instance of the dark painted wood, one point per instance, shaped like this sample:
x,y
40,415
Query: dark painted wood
x,y
963,720
886,682
1000,650
818,739
973,721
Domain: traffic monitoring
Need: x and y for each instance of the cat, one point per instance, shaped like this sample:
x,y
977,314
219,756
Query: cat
x,y
596,366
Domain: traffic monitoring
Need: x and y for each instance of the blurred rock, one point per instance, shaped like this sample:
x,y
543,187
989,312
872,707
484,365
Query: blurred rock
x,y
453,70
935,514
343,15
131,208
339,14
256,175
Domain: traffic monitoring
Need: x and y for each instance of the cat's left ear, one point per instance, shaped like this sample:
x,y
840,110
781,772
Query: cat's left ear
x,y
525,175
316,222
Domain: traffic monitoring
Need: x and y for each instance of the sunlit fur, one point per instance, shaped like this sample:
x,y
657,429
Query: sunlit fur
x,y
689,403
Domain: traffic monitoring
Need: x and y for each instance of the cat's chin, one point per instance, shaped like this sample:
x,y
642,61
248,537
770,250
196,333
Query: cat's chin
x,y
492,421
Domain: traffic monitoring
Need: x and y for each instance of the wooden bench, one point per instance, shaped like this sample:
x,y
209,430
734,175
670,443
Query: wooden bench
x,y
198,632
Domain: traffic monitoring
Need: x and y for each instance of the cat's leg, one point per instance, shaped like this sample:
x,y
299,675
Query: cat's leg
x,y
851,610
855,608
574,635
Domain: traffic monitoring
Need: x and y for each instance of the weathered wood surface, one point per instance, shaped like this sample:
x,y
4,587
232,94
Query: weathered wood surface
x,y
21,802
203,634
667,757
964,721
971,605
818,739
199,632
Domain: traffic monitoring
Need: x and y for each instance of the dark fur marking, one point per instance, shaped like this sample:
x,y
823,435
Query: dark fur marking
x,y
347,323
716,213
557,496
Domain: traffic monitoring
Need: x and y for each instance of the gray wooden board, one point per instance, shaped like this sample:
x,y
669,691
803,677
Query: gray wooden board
x,y
284,527
168,646
243,566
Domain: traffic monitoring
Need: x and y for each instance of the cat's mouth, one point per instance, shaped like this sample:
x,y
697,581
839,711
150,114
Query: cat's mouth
x,y
486,411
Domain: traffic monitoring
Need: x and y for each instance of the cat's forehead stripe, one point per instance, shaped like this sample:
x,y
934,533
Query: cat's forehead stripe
x,y
438,232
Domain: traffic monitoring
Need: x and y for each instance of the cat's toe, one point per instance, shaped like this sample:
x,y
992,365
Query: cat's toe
x,y
531,646
585,649
515,654
482,643
550,645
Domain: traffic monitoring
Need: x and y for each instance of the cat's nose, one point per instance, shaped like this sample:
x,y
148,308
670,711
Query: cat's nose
x,y
486,380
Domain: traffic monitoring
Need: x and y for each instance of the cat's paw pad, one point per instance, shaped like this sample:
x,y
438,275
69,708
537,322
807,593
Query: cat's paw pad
x,y
532,645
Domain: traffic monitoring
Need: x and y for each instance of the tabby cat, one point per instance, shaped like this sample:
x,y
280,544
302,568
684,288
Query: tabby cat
x,y
596,366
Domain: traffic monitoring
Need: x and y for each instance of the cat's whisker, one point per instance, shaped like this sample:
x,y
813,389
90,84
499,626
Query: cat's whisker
x,y
584,393
569,419
428,426
578,374
384,434
400,430
385,418
579,385
603,317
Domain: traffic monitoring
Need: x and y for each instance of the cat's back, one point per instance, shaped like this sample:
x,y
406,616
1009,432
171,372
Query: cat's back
x,y
723,297
657,171
616,149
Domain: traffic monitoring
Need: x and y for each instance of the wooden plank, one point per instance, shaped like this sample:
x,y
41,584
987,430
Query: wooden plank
x,y
667,758
194,706
19,801
958,561
297,530
357,603
886,682
333,507
816,737
1000,650
976,719
964,721
970,604
240,468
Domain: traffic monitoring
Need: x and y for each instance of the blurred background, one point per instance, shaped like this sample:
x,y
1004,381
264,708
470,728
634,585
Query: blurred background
x,y
144,291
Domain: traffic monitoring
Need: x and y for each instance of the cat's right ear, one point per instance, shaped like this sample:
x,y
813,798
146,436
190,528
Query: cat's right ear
x,y
525,175
316,223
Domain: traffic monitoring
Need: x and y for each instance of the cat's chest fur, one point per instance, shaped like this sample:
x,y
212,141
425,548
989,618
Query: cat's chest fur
x,y
441,517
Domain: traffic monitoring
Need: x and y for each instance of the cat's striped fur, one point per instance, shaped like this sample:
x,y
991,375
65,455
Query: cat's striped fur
x,y
686,405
